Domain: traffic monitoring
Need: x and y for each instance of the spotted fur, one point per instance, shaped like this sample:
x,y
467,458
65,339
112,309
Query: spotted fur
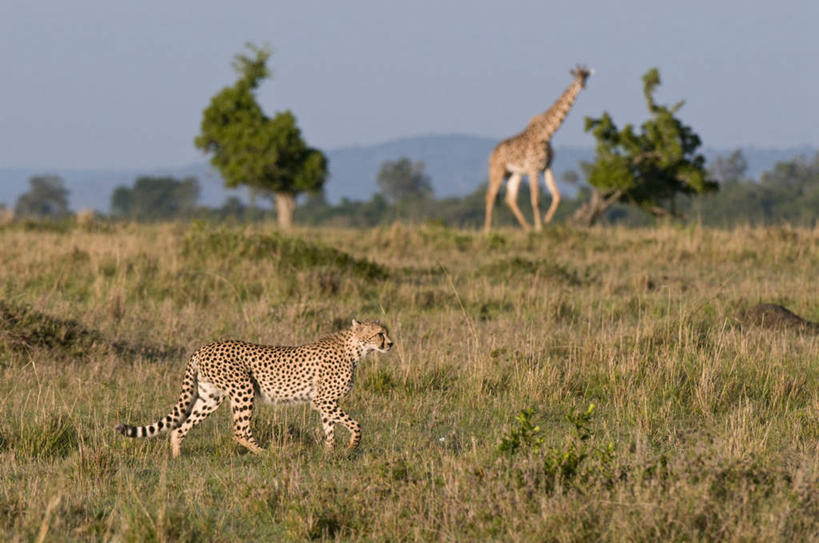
x,y
319,373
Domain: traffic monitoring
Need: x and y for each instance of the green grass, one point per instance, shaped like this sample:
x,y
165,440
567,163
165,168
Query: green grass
x,y
476,426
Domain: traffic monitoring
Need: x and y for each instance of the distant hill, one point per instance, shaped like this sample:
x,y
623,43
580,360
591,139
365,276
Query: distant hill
x,y
456,163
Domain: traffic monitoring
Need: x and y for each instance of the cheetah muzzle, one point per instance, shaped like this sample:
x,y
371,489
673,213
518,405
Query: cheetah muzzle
x,y
319,373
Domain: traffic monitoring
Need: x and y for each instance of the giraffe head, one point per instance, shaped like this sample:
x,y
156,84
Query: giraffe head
x,y
581,73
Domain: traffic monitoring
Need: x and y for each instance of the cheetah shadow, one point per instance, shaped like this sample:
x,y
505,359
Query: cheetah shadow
x,y
292,436
279,434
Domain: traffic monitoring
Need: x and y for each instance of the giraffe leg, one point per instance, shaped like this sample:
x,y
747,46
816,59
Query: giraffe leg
x,y
496,175
534,193
512,187
208,399
552,186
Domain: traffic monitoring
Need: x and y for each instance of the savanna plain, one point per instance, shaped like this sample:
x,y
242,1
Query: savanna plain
x,y
566,386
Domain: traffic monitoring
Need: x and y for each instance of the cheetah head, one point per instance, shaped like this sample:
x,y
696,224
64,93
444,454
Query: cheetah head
x,y
372,335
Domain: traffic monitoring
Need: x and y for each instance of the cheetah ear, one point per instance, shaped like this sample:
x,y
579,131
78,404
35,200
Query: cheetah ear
x,y
356,324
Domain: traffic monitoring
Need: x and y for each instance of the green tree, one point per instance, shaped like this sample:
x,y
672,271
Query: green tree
x,y
402,180
729,168
155,198
122,201
792,191
46,197
249,148
788,193
646,169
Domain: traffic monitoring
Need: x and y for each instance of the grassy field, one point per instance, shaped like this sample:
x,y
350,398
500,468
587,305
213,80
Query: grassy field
x,y
574,385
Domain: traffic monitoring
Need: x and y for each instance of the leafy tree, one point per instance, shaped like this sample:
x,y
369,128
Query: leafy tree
x,y
249,148
729,168
233,207
791,191
155,198
646,169
46,197
122,201
402,180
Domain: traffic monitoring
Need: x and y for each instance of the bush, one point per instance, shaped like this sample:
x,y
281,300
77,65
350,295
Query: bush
x,y
568,463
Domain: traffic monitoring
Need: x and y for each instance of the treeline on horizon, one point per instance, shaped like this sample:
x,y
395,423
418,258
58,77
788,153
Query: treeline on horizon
x,y
786,194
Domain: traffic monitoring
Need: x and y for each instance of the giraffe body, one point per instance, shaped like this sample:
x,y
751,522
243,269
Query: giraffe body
x,y
530,153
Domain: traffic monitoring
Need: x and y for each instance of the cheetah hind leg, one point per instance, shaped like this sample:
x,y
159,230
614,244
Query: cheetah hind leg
x,y
242,405
208,400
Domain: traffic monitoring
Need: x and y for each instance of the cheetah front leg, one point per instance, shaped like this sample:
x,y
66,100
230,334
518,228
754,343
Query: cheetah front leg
x,y
332,414
241,402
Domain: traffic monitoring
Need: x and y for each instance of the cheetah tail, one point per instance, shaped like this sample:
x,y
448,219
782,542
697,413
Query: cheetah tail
x,y
177,415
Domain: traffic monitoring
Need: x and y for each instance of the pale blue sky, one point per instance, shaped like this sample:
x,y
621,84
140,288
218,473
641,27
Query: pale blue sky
x,y
102,84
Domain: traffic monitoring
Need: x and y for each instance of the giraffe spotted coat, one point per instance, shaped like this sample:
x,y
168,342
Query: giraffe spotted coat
x,y
530,153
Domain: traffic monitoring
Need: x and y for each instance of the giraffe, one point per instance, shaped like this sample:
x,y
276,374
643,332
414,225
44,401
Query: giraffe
x,y
529,153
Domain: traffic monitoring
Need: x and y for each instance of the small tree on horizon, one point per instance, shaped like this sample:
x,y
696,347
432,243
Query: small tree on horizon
x,y
401,180
730,168
249,148
155,198
46,197
646,169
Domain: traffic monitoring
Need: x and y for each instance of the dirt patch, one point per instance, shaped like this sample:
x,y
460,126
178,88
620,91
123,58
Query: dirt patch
x,y
777,317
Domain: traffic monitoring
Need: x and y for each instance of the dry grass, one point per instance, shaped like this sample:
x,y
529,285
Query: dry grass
x,y
702,429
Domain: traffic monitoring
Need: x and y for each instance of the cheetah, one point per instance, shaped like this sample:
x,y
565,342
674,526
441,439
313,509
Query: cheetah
x,y
320,373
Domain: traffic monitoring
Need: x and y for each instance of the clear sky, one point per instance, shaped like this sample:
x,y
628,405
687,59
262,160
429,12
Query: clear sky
x,y
102,84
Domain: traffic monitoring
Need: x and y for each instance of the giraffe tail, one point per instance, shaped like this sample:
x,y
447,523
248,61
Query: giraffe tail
x,y
178,414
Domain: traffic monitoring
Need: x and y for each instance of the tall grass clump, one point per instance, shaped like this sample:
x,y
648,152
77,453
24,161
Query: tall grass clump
x,y
56,437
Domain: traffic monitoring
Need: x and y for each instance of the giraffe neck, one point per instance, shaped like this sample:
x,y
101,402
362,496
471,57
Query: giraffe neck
x,y
546,124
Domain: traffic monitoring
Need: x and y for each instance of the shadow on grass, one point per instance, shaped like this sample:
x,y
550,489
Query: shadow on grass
x,y
23,329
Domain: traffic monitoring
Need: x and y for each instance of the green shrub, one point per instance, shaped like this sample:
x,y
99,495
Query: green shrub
x,y
525,435
578,459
